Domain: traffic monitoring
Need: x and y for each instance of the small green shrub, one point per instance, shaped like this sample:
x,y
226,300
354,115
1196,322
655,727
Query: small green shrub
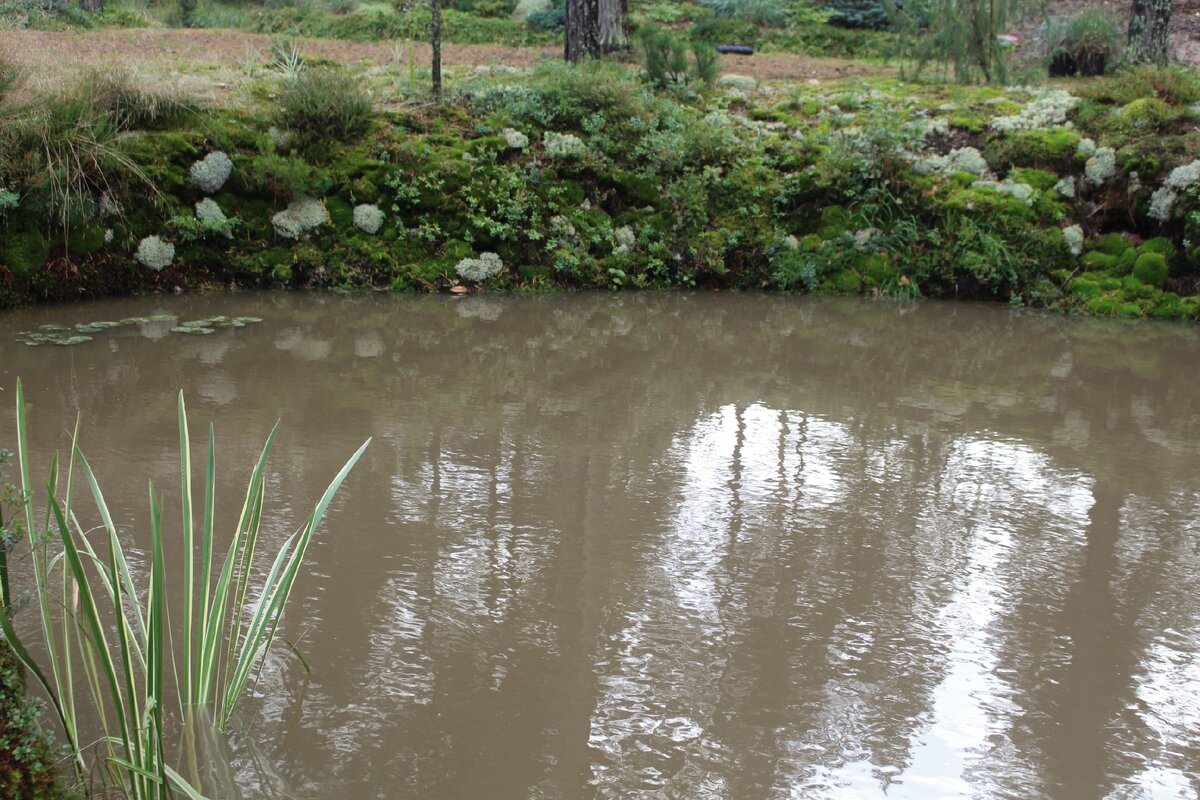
x,y
285,176
767,13
322,104
667,62
548,20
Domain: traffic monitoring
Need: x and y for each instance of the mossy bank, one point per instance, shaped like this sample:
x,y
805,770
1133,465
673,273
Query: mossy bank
x,y
1082,197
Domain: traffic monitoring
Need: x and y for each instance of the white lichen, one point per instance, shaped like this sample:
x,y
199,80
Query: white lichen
x,y
479,269
1085,149
1073,236
108,206
281,138
562,228
154,253
563,146
208,211
1066,186
864,240
1048,109
1164,197
211,172
301,216
1101,167
966,159
108,235
368,218
742,83
515,139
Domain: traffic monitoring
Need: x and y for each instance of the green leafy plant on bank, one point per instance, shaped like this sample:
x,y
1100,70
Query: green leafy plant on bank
x,y
107,648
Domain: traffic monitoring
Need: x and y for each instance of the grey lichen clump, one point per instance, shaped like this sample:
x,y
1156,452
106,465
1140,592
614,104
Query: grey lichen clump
x,y
563,145
209,212
1163,200
1021,191
1073,236
211,172
625,240
479,269
1101,167
1047,110
302,215
515,139
368,218
154,253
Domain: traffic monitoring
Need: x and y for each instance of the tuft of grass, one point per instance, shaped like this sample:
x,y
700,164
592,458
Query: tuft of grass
x,y
321,103
105,638
1177,85
67,146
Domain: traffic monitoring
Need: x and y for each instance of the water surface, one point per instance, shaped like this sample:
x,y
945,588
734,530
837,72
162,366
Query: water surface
x,y
702,546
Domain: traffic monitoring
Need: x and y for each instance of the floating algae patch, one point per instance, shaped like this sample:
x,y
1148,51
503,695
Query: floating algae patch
x,y
52,333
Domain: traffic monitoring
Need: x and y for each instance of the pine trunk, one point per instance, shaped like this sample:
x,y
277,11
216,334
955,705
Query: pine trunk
x,y
92,6
1149,29
613,25
580,30
435,43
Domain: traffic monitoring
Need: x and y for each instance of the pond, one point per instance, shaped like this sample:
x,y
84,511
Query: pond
x,y
682,546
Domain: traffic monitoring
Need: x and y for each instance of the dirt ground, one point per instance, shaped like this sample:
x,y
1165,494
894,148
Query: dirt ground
x,y
185,50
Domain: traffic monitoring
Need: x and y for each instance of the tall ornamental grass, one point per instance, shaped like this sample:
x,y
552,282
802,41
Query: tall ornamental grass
x,y
108,653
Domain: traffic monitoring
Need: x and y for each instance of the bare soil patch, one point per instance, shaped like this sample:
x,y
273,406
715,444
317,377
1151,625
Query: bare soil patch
x,y
182,50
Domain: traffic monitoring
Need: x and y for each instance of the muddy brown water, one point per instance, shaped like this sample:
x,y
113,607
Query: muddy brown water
x,y
702,546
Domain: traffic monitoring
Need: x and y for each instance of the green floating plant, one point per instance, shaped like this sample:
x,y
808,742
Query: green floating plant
x,y
52,333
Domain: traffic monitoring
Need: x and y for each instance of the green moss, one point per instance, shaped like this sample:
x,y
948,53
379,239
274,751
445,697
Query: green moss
x,y
456,249
1149,113
634,189
1102,306
991,205
1039,179
1084,286
341,215
835,220
810,243
1113,244
1038,147
975,123
845,281
85,239
1129,310
964,179
487,146
1151,269
24,254
1161,245
875,267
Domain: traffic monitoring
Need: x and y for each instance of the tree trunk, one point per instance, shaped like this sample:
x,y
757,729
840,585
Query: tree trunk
x,y
613,25
580,30
92,6
435,42
1149,28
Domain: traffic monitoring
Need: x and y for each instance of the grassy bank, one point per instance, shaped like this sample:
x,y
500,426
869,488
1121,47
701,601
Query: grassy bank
x,y
1080,196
